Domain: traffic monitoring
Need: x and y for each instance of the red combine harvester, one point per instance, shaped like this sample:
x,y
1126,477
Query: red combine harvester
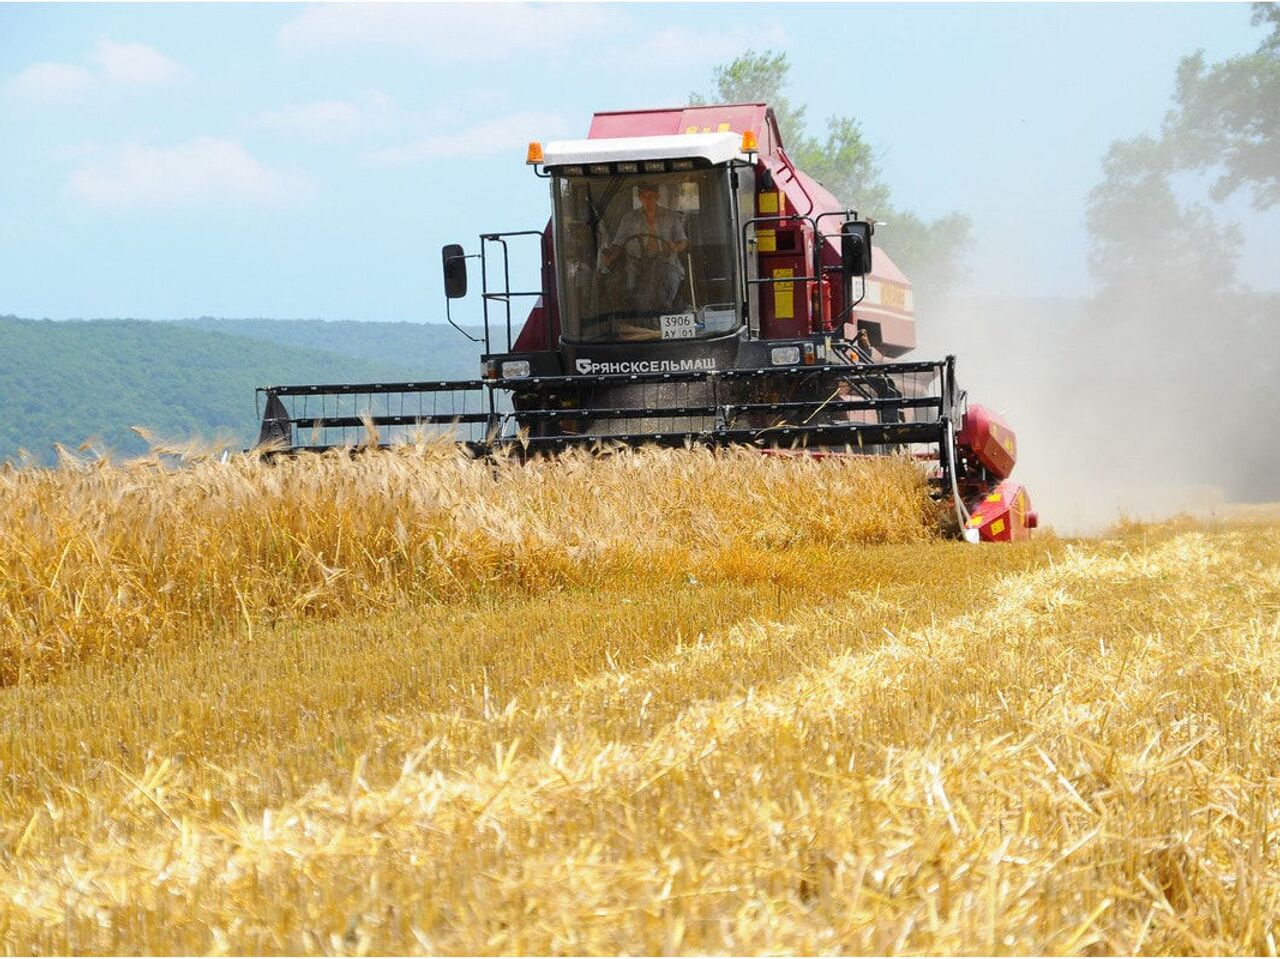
x,y
696,288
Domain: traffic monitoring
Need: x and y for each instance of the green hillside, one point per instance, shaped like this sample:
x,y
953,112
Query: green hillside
x,y
65,382
429,350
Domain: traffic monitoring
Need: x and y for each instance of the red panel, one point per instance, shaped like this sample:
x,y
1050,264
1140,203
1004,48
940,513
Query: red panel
x,y
807,196
784,305
897,326
541,330
1004,515
534,335
736,117
987,436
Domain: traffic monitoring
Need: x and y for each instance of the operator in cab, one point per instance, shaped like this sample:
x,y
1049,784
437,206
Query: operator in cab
x,y
649,242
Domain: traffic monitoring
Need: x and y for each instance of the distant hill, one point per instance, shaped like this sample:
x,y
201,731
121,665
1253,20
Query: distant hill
x,y
69,381
430,350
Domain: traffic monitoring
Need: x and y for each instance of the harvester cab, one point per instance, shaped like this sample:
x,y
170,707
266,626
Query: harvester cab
x,y
695,287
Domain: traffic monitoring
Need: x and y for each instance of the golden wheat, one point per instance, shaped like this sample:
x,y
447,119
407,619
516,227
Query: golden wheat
x,y
667,703
103,558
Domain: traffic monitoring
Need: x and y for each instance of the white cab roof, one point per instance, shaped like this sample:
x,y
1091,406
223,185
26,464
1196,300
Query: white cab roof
x,y
715,147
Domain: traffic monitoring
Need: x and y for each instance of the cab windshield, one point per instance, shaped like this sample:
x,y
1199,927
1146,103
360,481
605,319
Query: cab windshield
x,y
646,256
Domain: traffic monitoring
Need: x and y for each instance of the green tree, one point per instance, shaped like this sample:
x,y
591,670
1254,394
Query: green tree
x,y
1174,340
1264,13
930,252
1227,117
1225,121
1143,239
759,77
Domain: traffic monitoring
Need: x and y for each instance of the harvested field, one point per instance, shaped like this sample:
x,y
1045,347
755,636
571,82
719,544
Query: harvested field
x,y
656,703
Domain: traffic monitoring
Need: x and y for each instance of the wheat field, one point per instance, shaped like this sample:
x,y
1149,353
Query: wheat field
x,y
658,703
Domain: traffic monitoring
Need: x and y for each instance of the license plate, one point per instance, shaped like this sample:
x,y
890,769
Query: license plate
x,y
678,326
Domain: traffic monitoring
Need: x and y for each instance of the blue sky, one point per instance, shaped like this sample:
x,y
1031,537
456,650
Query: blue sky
x,y
294,161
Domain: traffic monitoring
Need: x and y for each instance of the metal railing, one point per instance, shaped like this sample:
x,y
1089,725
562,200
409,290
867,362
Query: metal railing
x,y
504,295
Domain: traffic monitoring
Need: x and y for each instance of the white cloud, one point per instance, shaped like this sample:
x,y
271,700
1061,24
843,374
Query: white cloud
x,y
114,64
328,121
694,49
202,171
51,83
511,132
448,32
135,64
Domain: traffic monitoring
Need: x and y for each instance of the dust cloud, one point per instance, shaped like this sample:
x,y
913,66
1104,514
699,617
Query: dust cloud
x,y
1142,402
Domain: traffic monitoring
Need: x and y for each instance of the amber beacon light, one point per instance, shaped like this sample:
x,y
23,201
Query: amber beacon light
x,y
534,156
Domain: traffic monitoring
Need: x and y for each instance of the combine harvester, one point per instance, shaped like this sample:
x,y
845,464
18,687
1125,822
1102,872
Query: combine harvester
x,y
696,288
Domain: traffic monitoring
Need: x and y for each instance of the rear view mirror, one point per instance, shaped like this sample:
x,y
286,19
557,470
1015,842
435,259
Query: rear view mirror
x,y
455,271
855,247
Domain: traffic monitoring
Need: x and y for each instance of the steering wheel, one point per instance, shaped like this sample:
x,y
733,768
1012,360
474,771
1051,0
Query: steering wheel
x,y
640,252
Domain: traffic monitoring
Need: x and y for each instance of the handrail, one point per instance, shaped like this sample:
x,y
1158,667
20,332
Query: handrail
x,y
506,294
